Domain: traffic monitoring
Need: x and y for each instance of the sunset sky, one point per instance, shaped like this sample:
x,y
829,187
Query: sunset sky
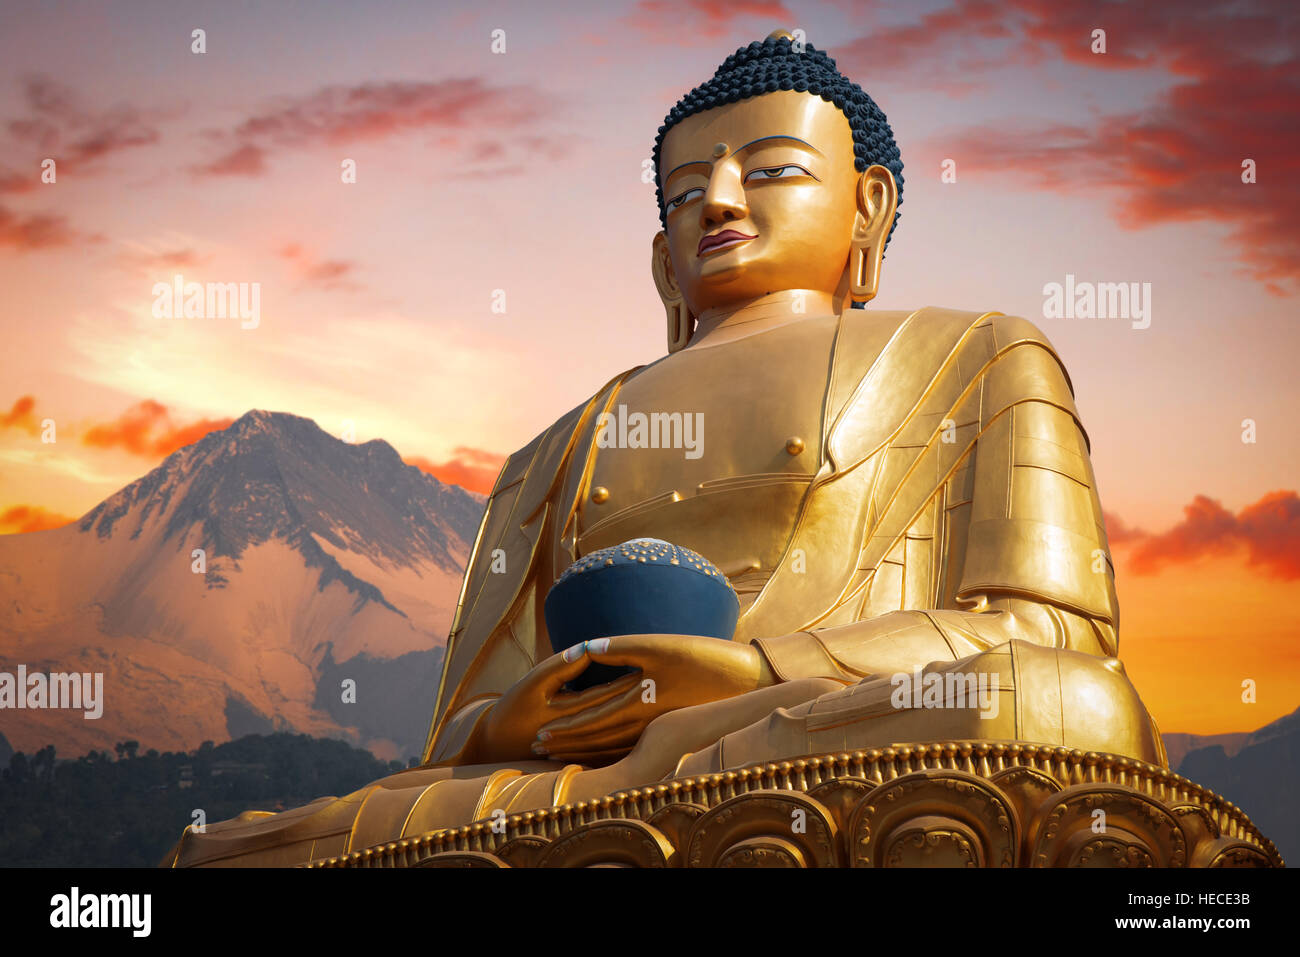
x,y
521,171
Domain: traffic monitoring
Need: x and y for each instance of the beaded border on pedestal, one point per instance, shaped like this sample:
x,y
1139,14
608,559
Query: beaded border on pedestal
x,y
1088,779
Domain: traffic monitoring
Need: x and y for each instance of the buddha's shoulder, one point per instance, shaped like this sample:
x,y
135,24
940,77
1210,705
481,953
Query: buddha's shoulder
x,y
952,325
910,349
930,337
551,446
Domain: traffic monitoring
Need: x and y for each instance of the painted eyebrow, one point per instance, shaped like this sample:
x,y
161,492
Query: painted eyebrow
x,y
780,136
761,139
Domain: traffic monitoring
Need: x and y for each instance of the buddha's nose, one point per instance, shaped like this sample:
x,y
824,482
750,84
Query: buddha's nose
x,y
724,201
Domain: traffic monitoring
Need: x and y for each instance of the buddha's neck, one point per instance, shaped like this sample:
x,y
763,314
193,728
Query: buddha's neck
x,y
728,323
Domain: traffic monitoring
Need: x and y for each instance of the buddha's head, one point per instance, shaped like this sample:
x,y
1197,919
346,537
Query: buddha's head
x,y
777,174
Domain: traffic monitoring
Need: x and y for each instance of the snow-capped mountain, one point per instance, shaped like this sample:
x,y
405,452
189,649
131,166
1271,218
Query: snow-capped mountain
x,y
321,562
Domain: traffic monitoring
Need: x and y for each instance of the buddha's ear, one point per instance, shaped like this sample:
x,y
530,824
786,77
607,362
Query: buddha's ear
x,y
877,197
680,321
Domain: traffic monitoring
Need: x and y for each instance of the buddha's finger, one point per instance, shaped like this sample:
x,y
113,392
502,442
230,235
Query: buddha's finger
x,y
645,651
620,737
572,702
594,719
557,669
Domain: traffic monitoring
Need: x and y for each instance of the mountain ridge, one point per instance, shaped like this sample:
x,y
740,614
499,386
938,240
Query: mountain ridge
x,y
230,574
1260,776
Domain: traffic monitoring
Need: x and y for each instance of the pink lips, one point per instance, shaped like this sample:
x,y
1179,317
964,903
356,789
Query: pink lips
x,y
726,238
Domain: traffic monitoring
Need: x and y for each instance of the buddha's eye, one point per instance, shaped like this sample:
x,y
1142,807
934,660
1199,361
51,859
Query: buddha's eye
x,y
680,200
777,172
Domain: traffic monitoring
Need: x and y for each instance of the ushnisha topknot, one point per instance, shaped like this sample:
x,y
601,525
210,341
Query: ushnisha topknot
x,y
773,65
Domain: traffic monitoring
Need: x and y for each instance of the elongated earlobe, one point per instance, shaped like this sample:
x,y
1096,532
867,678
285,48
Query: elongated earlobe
x,y
864,273
877,203
681,324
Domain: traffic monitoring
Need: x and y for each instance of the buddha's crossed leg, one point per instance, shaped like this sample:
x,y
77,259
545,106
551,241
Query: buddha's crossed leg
x,y
1017,691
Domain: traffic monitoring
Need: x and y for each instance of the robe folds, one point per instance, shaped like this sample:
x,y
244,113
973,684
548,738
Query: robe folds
x,y
955,476
958,535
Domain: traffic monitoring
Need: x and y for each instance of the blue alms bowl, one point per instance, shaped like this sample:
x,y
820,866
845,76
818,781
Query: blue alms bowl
x,y
644,586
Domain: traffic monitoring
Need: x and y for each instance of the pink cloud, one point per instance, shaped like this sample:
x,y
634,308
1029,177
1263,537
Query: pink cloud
x,y
62,127
686,21
493,117
326,272
1233,73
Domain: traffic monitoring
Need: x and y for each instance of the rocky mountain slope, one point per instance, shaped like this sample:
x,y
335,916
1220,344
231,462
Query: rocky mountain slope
x,y
322,562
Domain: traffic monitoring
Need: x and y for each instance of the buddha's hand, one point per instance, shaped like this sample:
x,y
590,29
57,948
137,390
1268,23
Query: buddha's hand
x,y
675,671
509,729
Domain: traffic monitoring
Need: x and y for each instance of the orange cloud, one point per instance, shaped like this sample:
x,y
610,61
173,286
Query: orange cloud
x,y
329,273
147,429
31,518
1119,533
12,181
35,231
1268,531
21,416
472,469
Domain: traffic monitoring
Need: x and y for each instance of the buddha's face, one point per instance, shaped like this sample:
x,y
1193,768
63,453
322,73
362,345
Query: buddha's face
x,y
761,197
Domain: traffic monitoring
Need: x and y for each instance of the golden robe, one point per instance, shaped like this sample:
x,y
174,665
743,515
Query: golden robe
x,y
945,515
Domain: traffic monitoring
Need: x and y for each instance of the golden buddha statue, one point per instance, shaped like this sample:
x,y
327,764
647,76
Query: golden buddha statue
x,y
902,501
